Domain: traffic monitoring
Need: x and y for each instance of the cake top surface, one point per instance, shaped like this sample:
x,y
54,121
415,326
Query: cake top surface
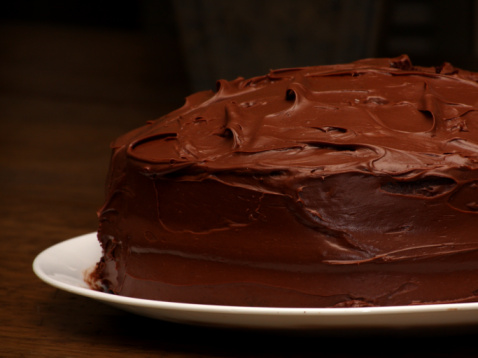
x,y
382,116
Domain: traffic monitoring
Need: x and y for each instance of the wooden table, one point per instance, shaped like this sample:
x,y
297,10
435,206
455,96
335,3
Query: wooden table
x,y
64,95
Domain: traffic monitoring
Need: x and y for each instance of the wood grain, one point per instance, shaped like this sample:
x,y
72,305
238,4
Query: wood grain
x,y
61,103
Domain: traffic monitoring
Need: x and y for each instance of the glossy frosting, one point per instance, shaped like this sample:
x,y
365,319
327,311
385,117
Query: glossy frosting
x,y
343,185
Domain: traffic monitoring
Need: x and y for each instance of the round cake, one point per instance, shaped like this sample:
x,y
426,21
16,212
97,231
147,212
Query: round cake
x,y
329,186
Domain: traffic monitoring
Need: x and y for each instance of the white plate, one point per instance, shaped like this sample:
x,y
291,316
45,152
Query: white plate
x,y
63,266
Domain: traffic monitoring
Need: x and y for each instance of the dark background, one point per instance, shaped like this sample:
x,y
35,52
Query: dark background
x,y
191,43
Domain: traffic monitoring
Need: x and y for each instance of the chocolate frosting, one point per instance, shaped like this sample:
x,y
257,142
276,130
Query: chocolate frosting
x,y
343,185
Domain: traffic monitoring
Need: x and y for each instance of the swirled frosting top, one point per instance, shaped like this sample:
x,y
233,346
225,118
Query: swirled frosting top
x,y
383,116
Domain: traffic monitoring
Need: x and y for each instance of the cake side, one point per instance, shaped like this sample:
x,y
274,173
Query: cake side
x,y
346,185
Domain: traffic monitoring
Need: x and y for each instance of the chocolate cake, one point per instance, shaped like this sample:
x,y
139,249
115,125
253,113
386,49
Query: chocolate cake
x,y
328,186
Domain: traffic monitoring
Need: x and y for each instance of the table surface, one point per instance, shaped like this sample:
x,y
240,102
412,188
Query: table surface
x,y
64,95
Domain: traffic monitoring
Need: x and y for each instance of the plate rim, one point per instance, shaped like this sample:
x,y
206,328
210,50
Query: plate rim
x,y
132,303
